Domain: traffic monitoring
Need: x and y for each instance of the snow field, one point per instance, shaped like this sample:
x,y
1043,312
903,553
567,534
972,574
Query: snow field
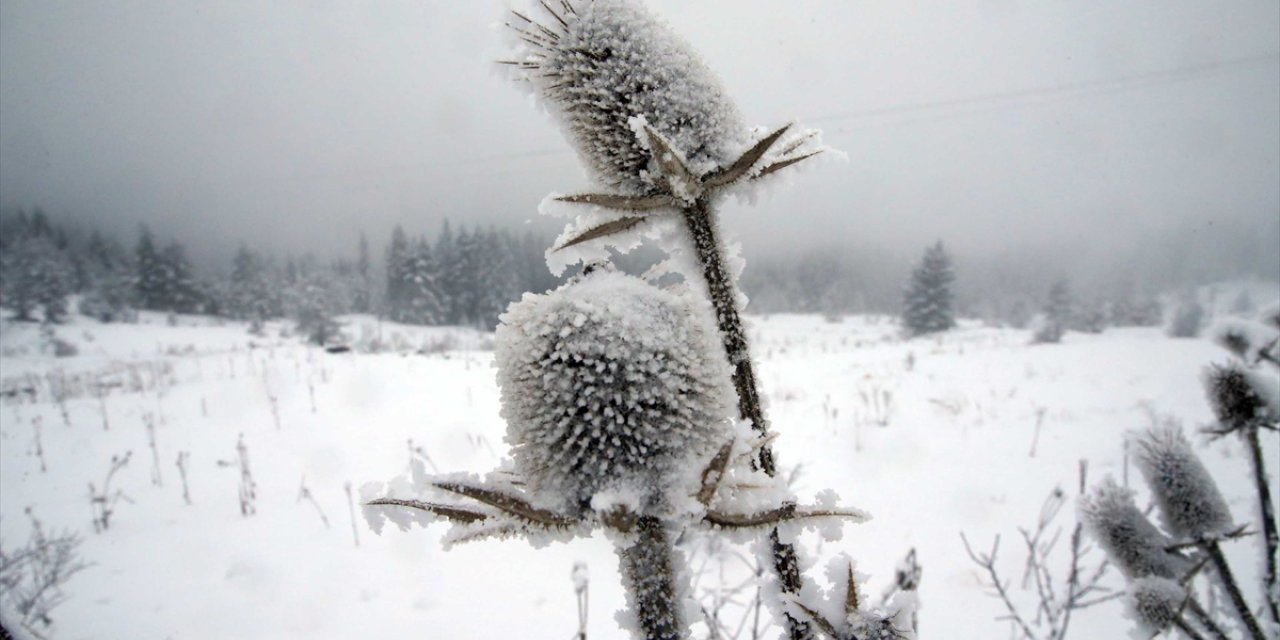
x,y
959,418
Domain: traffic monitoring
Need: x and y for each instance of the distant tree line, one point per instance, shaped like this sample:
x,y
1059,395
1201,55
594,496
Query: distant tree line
x,y
468,276
462,277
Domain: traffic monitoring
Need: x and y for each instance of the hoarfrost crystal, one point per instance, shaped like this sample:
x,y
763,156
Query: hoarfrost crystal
x,y
609,384
606,65
1190,504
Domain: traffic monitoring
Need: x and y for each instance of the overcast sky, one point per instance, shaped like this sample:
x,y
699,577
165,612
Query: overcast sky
x,y
294,125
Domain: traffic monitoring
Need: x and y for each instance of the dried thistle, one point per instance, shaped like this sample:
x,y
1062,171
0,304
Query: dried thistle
x,y
1191,506
609,382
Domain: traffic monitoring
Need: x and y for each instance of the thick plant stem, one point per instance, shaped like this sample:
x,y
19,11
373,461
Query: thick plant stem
x,y
1207,622
1229,584
699,220
1271,539
648,574
1187,629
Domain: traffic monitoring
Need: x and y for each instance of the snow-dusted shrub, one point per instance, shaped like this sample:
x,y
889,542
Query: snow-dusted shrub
x,y
1134,545
1078,586
1187,320
1045,330
1190,504
610,383
32,578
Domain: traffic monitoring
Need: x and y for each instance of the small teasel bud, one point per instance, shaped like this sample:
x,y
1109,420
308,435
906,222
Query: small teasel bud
x,y
1191,507
610,384
1237,396
1156,603
1132,543
602,66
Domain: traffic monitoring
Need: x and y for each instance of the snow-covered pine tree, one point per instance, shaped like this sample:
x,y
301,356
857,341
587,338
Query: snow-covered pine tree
x,y
362,296
150,279
397,266
1187,318
109,291
447,277
419,301
927,303
1056,316
498,283
181,292
253,293
462,273
313,308
34,274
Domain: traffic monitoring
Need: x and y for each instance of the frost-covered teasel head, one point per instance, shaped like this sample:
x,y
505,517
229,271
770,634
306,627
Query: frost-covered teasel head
x,y
1240,397
1132,543
1156,603
1190,504
610,384
601,65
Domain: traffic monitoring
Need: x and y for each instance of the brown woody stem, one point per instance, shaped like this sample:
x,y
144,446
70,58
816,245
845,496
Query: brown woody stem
x,y
1227,580
648,573
701,224
1271,538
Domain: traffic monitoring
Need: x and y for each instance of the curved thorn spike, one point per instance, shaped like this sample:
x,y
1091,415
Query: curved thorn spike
x,y
743,164
679,178
510,504
451,512
622,203
603,230
783,164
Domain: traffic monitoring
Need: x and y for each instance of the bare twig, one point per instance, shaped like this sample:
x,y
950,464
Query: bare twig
x,y
351,507
183,456
305,494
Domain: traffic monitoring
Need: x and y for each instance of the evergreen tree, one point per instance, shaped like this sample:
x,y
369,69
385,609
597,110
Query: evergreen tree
x,y
1187,319
313,307
420,303
397,265
180,291
35,274
496,280
109,294
927,305
251,293
149,282
362,298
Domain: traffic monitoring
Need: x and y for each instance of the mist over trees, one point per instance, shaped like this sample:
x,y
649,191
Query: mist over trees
x,y
467,276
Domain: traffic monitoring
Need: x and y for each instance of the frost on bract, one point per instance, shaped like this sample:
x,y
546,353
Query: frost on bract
x,y
1191,506
1131,542
609,384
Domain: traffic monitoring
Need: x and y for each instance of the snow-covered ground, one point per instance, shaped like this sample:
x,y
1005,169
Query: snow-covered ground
x,y
932,436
